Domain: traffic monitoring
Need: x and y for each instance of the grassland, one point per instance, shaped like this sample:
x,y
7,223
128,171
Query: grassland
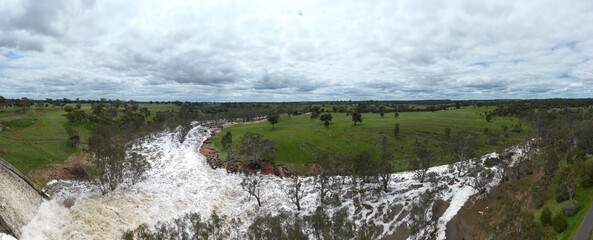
x,y
299,140
38,137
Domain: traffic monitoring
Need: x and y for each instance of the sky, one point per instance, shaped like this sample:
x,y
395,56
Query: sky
x,y
296,50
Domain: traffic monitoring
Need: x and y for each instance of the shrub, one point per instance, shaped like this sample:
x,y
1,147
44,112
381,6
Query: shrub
x,y
559,223
570,208
546,216
562,192
587,174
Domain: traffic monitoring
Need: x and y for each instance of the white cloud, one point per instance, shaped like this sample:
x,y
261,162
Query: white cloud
x,y
299,50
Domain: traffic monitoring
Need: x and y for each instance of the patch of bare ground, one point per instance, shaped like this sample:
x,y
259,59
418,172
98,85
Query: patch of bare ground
x,y
70,169
505,203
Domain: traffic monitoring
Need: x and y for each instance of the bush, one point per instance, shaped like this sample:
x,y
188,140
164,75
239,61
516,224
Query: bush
x,y
587,174
546,216
562,193
570,208
559,223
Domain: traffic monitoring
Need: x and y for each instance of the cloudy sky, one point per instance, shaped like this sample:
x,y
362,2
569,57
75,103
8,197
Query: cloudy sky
x,y
296,50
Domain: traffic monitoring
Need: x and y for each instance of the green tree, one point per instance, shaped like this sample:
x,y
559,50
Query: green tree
x,y
396,114
326,118
546,216
73,136
396,130
255,148
356,117
273,118
227,141
559,222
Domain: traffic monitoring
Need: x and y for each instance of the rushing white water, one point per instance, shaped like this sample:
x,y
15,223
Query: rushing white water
x,y
181,182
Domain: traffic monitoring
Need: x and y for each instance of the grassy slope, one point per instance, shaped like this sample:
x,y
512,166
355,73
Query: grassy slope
x,y
45,141
298,139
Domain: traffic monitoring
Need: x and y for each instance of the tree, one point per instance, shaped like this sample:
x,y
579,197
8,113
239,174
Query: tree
x,y
384,166
138,165
68,108
296,191
253,147
73,136
396,130
546,216
396,114
252,185
273,118
76,116
559,223
227,141
463,150
326,118
356,117
447,133
421,161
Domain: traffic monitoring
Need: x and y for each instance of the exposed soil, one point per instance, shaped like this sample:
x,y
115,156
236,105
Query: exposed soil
x,y
466,223
70,169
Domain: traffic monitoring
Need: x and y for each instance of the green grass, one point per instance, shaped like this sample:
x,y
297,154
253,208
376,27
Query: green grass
x,y
41,141
299,139
38,137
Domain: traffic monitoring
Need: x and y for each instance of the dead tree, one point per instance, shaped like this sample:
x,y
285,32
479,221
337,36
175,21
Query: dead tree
x,y
252,185
296,191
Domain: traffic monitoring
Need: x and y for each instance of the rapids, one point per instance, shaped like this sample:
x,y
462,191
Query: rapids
x,y
179,182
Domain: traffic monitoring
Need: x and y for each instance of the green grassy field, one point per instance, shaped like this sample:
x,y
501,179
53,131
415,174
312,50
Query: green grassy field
x,y
38,137
299,139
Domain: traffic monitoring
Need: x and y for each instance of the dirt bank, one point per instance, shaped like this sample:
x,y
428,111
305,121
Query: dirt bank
x,y
70,169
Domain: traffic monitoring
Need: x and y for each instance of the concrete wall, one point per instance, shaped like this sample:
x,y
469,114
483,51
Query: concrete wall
x,y
19,199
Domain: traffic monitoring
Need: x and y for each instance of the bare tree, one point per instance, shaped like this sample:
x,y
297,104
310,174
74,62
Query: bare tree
x,y
252,185
138,165
384,166
296,191
421,161
463,150
479,178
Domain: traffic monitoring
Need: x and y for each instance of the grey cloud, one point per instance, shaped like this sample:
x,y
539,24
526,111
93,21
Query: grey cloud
x,y
353,50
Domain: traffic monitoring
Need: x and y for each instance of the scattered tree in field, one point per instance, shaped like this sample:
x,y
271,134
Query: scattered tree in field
x,y
462,150
396,114
255,148
326,118
252,185
421,160
73,136
356,117
296,191
447,133
396,130
227,141
273,118
68,108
